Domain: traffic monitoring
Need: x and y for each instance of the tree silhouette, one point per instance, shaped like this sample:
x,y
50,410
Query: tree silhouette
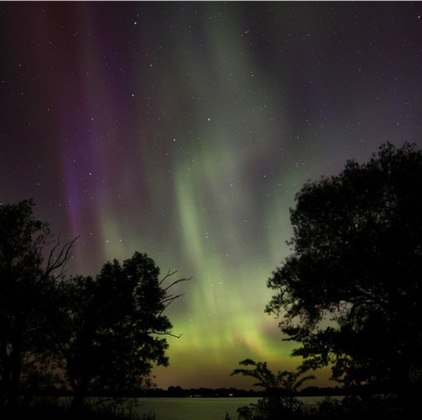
x,y
113,326
26,280
285,382
280,388
351,291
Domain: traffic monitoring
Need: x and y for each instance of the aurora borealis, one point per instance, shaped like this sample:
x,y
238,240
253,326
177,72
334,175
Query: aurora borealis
x,y
184,130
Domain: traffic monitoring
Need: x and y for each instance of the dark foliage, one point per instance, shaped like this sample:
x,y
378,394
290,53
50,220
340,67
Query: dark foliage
x,y
280,391
95,335
351,291
53,409
348,408
112,327
27,278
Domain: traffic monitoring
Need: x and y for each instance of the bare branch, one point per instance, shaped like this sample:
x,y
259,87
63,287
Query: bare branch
x,y
169,274
171,298
176,282
58,260
169,334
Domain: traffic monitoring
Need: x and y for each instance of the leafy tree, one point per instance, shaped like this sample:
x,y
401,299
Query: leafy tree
x,y
26,279
284,383
351,291
281,389
113,327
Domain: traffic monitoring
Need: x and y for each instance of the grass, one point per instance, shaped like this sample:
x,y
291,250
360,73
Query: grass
x,y
53,409
350,408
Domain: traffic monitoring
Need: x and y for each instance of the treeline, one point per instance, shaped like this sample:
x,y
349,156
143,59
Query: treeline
x,y
171,392
77,334
350,292
176,391
201,392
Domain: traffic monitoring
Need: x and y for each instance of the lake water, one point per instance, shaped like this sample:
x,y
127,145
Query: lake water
x,y
197,408
191,408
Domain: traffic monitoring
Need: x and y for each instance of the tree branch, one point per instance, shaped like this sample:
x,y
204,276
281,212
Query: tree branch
x,y
58,260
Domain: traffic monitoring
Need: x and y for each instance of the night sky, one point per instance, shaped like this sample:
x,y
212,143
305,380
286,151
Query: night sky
x,y
184,130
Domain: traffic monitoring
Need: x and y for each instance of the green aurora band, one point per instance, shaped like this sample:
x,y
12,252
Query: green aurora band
x,y
185,130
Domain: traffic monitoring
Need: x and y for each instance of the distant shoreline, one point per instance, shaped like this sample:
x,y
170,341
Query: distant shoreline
x,y
178,392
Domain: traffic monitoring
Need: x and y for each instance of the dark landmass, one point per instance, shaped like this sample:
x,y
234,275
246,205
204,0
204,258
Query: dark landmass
x,y
176,391
179,392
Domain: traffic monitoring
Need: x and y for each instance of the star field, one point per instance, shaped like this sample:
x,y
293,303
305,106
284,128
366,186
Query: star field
x,y
184,130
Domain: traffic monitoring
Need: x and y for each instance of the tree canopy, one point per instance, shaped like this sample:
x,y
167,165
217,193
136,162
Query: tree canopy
x,y
99,334
351,292
27,275
280,391
285,383
113,326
